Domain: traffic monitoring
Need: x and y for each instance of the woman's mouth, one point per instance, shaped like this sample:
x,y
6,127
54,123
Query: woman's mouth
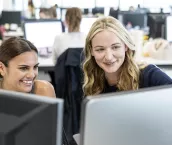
x,y
27,82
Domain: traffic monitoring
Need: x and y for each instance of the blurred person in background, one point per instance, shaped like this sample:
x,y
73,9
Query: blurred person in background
x,y
73,38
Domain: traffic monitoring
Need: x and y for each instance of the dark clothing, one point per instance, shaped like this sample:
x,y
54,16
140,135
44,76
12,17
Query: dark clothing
x,y
32,91
69,87
150,76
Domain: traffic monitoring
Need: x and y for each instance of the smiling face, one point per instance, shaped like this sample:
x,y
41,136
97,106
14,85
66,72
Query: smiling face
x,y
21,72
108,51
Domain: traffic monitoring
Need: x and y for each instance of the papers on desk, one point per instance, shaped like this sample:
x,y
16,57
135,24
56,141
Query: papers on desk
x,y
154,61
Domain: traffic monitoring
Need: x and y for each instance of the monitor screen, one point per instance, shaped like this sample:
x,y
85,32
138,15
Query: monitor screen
x,y
169,28
142,117
86,24
42,32
98,10
27,119
136,19
156,24
11,17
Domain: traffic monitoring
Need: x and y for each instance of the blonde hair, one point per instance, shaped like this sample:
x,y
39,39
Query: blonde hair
x,y
94,76
73,18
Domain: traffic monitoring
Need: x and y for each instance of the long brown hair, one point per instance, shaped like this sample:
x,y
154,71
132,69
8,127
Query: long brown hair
x,y
73,18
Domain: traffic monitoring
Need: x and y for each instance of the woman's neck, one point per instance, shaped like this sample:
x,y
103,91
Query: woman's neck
x,y
76,30
112,78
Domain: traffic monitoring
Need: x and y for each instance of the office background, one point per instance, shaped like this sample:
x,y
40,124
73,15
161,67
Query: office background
x,y
154,7
153,4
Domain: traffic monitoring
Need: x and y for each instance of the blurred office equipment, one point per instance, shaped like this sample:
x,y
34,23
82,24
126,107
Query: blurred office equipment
x,y
169,28
114,13
128,118
98,10
158,49
85,11
136,19
42,33
11,22
86,24
27,119
156,23
11,17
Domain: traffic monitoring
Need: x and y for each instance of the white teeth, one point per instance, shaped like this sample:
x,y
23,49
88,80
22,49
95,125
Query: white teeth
x,y
109,63
27,82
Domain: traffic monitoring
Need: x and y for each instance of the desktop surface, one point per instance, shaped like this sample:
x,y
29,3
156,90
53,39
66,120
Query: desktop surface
x,y
128,118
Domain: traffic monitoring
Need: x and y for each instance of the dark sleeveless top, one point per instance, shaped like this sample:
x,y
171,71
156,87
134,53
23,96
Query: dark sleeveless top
x,y
32,91
150,76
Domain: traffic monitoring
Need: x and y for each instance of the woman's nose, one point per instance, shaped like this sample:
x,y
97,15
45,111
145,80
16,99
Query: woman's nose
x,y
108,55
31,74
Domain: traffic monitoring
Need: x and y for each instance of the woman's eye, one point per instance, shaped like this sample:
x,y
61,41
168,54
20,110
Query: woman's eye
x,y
99,50
115,47
35,67
23,68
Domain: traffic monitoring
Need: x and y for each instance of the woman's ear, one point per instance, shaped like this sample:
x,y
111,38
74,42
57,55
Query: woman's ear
x,y
2,69
126,48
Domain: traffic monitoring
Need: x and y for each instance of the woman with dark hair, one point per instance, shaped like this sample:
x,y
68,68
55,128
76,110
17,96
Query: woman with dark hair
x,y
19,68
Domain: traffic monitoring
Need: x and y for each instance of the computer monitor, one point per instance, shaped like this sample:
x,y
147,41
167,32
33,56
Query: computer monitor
x,y
11,17
86,24
141,117
27,119
98,10
135,18
169,28
156,24
114,13
42,33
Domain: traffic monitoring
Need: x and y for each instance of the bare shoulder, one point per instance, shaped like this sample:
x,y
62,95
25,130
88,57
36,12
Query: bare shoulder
x,y
44,88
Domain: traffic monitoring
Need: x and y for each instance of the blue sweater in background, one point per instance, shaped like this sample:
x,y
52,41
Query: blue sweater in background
x,y
150,76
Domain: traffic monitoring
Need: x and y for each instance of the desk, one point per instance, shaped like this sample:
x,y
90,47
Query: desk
x,y
46,64
166,64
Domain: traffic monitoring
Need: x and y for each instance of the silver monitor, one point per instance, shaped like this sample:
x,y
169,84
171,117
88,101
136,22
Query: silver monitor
x,y
169,28
27,119
142,117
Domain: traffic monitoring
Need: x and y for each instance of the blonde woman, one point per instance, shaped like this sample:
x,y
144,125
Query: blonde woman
x,y
109,64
